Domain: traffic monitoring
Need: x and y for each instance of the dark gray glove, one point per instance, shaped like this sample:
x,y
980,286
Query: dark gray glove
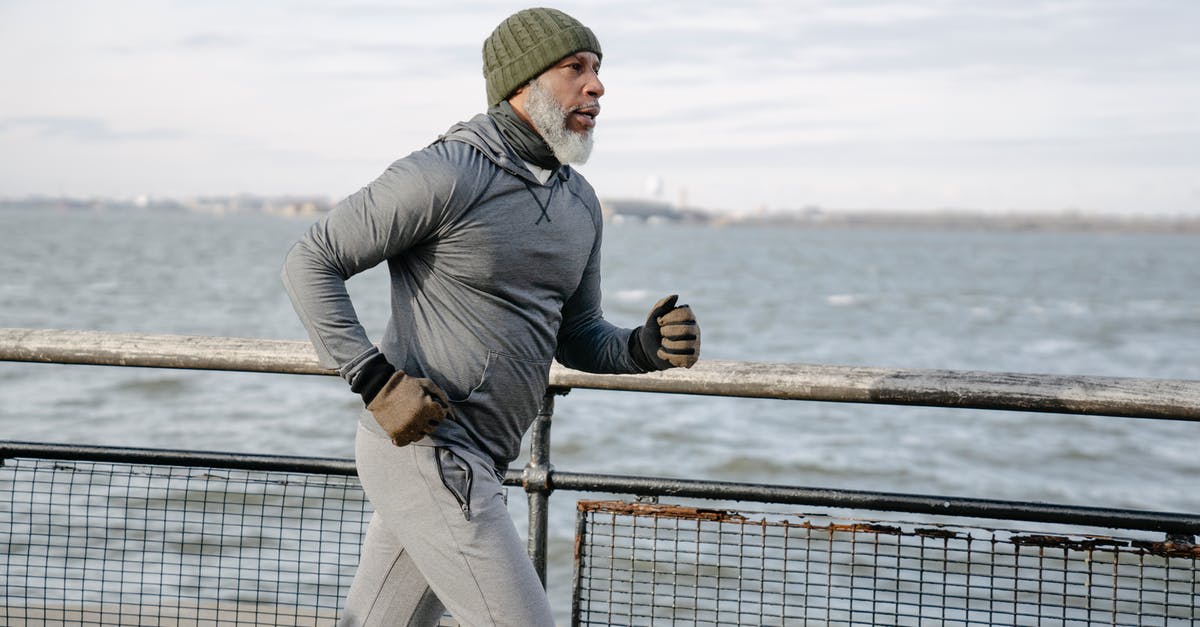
x,y
409,408
670,338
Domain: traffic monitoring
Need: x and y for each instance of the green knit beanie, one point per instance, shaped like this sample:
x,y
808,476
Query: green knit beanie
x,y
527,43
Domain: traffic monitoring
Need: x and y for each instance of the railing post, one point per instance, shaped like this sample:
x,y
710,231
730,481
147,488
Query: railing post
x,y
536,480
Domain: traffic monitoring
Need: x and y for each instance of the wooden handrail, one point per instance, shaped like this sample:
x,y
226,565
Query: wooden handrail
x,y
1172,399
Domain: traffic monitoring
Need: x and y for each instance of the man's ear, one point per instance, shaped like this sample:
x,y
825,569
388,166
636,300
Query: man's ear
x,y
517,102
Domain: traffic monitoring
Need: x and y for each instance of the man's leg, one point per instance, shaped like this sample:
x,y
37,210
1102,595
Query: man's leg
x,y
447,510
388,589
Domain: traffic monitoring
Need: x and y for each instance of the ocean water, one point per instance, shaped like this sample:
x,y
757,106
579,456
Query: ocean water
x,y
1066,303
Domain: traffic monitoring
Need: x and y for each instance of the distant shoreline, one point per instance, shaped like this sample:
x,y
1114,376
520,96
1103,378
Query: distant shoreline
x,y
651,212
975,221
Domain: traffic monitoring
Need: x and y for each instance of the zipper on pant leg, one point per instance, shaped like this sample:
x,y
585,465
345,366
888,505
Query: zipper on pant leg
x,y
462,493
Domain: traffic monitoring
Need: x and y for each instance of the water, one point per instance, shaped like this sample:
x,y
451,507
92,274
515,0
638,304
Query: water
x,y
1086,303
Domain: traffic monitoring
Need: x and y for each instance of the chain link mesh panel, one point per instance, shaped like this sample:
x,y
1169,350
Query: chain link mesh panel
x,y
640,564
107,544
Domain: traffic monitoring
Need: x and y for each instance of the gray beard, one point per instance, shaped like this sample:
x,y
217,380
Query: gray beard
x,y
550,119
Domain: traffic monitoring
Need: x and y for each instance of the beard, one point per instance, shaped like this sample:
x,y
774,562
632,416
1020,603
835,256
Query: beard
x,y
549,117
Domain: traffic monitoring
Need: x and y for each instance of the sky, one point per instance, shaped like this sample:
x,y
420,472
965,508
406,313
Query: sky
x,y
997,106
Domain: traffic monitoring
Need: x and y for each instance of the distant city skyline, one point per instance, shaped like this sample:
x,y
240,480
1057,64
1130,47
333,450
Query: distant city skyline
x,y
622,210
988,106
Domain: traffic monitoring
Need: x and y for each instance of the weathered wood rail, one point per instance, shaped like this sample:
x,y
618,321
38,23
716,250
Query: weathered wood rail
x,y
1171,399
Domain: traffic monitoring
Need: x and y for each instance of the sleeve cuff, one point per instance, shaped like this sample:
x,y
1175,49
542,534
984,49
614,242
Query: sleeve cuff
x,y
371,378
638,355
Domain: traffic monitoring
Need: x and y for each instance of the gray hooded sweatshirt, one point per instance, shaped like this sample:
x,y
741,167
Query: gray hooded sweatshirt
x,y
493,274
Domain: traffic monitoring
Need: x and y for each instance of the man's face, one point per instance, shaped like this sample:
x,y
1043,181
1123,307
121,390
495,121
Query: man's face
x,y
562,104
575,83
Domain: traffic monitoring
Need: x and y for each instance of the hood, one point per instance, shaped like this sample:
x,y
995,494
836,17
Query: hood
x,y
482,133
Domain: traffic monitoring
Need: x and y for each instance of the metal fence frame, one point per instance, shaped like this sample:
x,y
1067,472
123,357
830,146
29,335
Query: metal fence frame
x,y
648,564
107,536
1099,396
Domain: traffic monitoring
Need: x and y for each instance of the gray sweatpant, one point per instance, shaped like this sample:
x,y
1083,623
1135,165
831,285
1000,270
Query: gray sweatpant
x,y
441,538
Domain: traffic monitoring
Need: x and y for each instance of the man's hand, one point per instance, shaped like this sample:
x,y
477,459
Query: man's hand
x,y
409,408
670,338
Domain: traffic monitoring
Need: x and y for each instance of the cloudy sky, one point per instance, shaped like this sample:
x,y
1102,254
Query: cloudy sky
x,y
990,105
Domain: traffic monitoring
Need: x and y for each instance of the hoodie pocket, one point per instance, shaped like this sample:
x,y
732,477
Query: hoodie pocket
x,y
509,387
457,476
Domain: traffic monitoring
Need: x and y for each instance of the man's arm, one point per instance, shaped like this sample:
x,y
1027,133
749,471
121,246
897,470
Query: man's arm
x,y
586,341
396,211
399,210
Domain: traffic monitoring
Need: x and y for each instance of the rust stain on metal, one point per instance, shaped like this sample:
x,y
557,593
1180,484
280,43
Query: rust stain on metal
x,y
578,547
855,528
943,534
1169,548
661,511
1070,544
1041,540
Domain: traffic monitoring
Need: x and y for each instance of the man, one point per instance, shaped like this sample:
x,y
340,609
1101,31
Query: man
x,y
493,246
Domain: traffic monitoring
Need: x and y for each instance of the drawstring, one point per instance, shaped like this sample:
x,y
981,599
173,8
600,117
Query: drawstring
x,y
543,206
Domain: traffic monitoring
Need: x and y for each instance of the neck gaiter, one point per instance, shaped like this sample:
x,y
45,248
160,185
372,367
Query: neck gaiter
x,y
528,144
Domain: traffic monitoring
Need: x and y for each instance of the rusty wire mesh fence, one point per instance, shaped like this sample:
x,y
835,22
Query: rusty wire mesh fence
x,y
97,543
118,543
641,564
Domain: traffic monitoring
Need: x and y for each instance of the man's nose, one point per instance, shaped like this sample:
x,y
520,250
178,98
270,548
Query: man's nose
x,y
594,87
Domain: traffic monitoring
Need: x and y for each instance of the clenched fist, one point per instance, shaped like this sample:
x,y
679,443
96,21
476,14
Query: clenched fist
x,y
409,408
670,338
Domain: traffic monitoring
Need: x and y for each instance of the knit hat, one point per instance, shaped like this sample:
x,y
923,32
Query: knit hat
x,y
527,43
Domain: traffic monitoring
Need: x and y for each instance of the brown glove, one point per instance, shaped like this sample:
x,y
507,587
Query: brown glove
x,y
670,338
409,408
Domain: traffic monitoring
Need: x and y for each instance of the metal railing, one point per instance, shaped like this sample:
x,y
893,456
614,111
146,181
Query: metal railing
x,y
1106,396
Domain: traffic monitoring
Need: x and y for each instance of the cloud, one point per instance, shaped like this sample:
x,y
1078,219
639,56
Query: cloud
x,y
213,40
1053,92
1078,38
84,129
